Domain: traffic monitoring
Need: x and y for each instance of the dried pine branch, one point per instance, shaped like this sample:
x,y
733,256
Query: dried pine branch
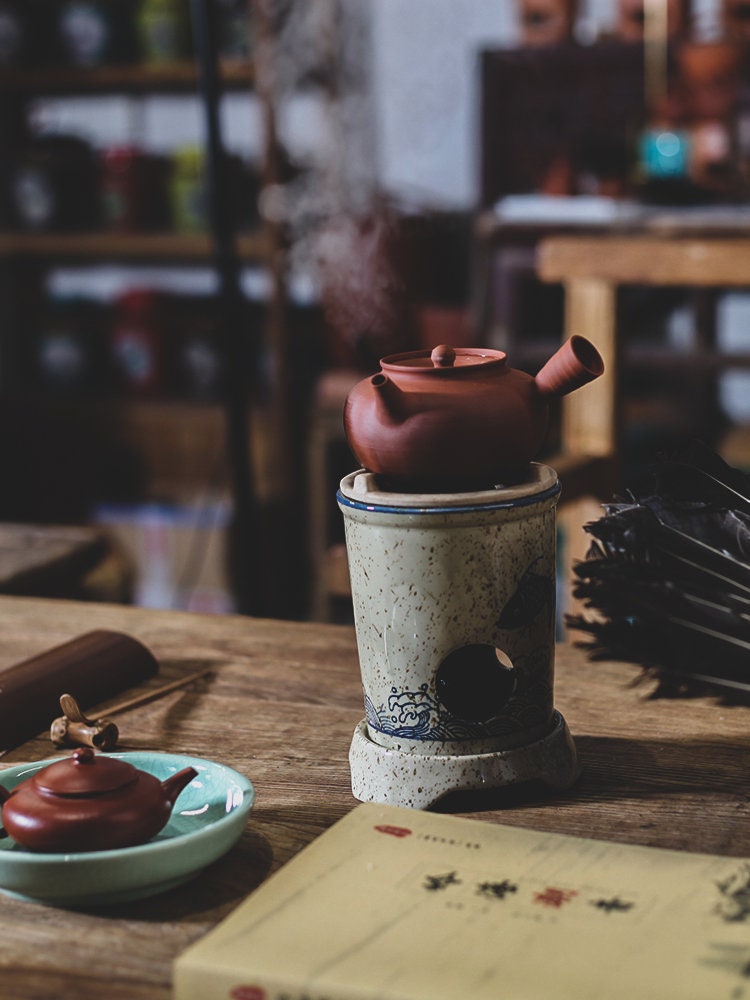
x,y
667,577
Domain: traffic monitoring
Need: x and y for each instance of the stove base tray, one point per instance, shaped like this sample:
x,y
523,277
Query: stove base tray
x,y
417,780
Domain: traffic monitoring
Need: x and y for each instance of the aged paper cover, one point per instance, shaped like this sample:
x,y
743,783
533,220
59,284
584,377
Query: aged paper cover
x,y
397,904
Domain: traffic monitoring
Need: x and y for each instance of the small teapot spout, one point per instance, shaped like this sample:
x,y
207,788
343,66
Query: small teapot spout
x,y
174,784
571,366
388,396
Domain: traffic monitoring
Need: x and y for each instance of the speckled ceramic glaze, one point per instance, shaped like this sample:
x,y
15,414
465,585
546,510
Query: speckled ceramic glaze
x,y
420,780
454,603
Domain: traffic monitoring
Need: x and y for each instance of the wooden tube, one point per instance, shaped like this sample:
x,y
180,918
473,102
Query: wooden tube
x,y
92,667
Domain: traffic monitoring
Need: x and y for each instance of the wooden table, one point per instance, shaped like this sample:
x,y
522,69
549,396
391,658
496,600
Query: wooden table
x,y
593,268
705,249
281,708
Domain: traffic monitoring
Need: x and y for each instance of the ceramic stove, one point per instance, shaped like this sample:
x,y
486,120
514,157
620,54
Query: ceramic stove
x,y
454,605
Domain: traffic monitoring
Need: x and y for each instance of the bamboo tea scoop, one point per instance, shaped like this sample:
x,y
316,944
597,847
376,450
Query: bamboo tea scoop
x,y
74,729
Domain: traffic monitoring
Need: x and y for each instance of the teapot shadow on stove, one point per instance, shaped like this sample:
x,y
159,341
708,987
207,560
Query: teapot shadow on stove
x,y
89,802
459,420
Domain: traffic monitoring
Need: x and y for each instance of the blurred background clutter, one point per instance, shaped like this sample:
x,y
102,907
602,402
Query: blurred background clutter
x,y
186,300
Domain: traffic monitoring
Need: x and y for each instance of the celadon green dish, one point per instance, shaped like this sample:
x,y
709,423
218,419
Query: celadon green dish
x,y
209,816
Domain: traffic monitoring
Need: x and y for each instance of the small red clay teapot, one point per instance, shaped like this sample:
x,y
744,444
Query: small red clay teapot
x,y
89,802
458,420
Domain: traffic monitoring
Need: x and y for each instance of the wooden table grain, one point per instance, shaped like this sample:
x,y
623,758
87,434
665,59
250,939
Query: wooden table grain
x,y
280,707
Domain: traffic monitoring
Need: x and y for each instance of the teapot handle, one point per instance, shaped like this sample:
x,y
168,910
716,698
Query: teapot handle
x,y
4,796
574,364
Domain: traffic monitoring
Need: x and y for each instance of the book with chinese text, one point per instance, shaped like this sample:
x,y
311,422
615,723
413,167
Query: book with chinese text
x,y
398,904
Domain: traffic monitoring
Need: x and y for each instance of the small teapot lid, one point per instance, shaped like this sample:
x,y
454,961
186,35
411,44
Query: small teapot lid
x,y
444,358
85,773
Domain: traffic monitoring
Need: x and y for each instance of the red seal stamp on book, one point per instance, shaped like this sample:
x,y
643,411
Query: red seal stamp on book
x,y
247,993
393,831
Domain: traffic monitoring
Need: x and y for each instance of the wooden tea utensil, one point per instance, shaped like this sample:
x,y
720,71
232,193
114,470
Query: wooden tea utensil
x,y
73,728
97,665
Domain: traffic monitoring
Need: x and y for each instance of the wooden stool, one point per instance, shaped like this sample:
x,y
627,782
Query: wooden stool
x,y
328,564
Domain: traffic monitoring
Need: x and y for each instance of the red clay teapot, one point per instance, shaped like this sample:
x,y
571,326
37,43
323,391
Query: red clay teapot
x,y
458,420
89,802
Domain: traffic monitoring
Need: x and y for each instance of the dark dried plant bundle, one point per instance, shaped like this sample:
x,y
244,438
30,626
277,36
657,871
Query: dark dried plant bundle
x,y
667,577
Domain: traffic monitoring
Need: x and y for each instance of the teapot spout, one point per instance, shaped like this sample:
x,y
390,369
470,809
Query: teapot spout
x,y
389,399
174,785
571,366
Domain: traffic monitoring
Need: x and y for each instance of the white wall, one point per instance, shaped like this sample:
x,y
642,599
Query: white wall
x,y
425,76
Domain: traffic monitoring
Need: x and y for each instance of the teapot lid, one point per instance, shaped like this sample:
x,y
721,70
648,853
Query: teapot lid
x,y
85,773
445,358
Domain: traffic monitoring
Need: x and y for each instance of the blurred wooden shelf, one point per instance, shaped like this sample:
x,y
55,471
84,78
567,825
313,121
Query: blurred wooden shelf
x,y
125,246
181,445
132,78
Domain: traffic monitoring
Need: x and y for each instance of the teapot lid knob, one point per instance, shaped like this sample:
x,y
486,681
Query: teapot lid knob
x,y
443,356
83,755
